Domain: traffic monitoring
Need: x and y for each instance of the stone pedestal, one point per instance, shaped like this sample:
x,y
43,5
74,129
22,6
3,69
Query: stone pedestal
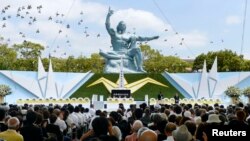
x,y
112,65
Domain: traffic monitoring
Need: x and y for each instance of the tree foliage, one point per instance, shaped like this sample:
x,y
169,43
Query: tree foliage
x,y
24,57
7,57
28,49
227,61
155,62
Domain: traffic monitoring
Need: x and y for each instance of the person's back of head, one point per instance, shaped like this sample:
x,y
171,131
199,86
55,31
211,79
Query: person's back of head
x,y
177,109
137,125
172,118
241,115
148,135
138,113
98,112
117,132
115,116
156,118
39,119
56,112
147,112
161,125
71,108
100,126
191,126
31,117
170,127
53,118
182,134
13,123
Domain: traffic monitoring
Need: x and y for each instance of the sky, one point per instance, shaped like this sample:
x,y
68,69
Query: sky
x,y
186,28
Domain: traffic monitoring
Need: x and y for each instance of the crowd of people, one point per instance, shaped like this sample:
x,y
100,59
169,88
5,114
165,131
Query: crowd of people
x,y
177,122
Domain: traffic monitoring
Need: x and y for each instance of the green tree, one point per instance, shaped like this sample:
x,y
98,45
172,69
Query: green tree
x,y
155,62
7,57
28,49
97,63
246,65
227,61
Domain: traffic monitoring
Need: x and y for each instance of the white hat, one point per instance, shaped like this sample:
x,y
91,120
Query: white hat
x,y
197,120
117,132
187,114
213,118
157,106
137,125
182,134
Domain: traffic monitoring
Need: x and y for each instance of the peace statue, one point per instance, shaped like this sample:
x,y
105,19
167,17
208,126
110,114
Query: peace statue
x,y
124,49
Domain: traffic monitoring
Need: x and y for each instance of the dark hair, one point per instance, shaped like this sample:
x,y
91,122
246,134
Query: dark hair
x,y
52,118
71,109
204,117
191,126
115,116
161,125
65,114
138,113
177,109
31,117
241,115
172,118
200,129
98,112
39,118
100,126
46,114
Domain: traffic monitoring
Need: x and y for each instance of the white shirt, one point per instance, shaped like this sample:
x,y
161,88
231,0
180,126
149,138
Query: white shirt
x,y
74,118
169,138
62,125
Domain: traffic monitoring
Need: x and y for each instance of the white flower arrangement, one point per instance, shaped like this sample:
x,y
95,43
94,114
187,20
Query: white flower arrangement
x,y
5,90
233,91
246,92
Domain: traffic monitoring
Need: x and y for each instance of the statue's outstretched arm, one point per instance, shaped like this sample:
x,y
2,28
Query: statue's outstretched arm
x,y
107,23
146,38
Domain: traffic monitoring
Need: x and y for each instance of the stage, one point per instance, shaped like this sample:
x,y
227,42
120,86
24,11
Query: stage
x,y
112,104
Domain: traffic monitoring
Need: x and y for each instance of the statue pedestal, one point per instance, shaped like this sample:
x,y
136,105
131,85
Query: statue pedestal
x,y
113,65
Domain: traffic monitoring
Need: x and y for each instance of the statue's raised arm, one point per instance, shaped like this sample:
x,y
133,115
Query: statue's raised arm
x,y
146,38
107,23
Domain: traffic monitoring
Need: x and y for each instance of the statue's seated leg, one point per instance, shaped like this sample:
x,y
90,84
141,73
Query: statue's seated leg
x,y
109,55
136,53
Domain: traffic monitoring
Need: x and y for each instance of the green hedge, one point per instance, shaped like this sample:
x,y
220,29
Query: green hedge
x,y
151,89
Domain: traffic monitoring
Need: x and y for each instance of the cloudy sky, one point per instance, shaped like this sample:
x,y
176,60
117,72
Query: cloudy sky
x,y
186,28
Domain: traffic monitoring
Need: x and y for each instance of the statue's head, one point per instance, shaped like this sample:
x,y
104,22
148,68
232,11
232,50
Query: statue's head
x,y
121,27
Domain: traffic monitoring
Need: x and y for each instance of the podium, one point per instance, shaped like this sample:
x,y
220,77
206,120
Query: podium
x,y
120,93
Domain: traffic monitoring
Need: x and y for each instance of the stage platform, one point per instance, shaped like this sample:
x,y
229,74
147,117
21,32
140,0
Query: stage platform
x,y
112,104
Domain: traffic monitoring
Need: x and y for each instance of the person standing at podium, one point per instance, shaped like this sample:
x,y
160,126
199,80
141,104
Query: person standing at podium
x,y
160,96
176,98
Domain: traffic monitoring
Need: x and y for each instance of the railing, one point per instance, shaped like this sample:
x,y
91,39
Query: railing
x,y
81,100
153,101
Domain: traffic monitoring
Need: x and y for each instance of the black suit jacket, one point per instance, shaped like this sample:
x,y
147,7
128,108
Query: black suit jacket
x,y
3,127
31,132
51,128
